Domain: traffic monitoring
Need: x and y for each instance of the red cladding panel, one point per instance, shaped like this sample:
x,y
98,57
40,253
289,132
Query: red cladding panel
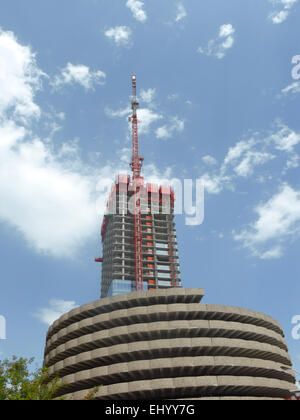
x,y
165,190
123,179
152,188
123,188
123,182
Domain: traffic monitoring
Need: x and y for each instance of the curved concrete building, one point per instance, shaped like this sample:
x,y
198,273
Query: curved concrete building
x,y
164,344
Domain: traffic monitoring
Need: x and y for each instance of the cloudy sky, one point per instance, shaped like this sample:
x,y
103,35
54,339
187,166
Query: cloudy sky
x,y
219,88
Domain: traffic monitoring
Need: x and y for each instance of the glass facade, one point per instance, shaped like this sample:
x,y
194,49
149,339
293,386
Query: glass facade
x,y
122,287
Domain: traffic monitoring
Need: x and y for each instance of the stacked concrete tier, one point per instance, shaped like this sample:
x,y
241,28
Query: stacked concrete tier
x,y
164,344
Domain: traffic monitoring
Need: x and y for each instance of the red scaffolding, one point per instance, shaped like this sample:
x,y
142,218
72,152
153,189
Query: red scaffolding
x,y
137,182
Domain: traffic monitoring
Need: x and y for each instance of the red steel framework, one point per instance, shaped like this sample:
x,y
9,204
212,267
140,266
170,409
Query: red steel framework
x,y
137,182
163,195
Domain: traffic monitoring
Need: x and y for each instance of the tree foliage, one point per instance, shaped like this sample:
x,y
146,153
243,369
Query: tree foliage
x,y
19,382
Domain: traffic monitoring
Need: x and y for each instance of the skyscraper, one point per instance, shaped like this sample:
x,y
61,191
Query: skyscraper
x,y
138,231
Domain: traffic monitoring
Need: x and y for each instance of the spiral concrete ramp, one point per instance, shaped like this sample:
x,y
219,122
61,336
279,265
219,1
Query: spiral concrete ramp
x,y
165,344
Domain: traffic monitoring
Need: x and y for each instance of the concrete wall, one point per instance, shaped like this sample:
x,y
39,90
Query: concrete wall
x,y
165,344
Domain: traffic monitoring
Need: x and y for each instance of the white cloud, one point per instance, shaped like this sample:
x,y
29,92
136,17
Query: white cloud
x,y
226,31
218,47
125,155
292,162
279,17
47,194
209,160
119,113
155,175
51,198
285,139
173,97
121,35
149,117
79,74
238,150
271,254
251,159
56,309
146,117
136,7
278,221
39,193
181,12
167,131
214,184
292,88
163,132
283,10
20,78
39,187
147,96
246,156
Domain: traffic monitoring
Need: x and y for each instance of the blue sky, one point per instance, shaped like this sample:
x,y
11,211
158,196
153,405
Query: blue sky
x,y
219,100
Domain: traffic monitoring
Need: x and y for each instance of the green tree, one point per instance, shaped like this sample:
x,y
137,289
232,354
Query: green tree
x,y
92,394
19,382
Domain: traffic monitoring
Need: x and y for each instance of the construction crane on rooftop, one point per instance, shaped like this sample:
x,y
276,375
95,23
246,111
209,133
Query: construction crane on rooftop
x,y
137,182
154,252
137,160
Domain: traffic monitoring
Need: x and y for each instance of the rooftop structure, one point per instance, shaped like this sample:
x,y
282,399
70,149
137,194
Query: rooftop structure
x,y
138,231
164,344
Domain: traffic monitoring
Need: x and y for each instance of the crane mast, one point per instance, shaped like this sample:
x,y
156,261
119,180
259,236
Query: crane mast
x,y
137,160
137,182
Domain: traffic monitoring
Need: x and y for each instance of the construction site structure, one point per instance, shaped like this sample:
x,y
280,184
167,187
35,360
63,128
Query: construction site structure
x,y
295,396
138,230
148,338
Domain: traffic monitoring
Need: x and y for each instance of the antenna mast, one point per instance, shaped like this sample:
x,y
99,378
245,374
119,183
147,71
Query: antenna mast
x,y
137,160
137,181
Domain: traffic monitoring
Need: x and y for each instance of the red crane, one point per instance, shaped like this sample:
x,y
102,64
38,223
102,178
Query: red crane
x,y
137,182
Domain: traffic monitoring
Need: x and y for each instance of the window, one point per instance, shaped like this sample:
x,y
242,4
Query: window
x,y
162,253
161,245
164,283
163,267
164,275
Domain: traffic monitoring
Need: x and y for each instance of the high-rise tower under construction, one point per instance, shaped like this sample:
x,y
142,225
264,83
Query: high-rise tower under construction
x,y
149,338
138,231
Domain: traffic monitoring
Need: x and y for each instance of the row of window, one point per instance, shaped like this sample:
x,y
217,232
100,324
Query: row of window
x,y
120,287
